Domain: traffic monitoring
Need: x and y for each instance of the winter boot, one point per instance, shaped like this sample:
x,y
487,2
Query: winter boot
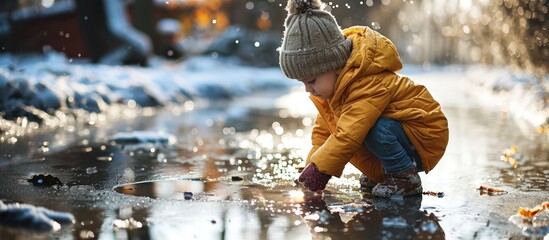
x,y
366,184
404,183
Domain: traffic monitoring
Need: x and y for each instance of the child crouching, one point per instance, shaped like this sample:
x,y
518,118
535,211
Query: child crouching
x,y
383,123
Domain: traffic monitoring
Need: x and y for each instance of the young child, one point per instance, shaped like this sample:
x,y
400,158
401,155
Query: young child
x,y
384,124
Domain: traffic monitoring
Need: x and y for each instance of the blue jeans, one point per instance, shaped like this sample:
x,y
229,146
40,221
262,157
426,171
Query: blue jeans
x,y
388,142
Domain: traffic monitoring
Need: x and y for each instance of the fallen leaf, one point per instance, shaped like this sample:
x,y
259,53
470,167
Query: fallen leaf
x,y
531,212
490,190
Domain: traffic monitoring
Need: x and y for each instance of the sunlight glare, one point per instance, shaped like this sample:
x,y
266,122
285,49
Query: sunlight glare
x,y
297,196
297,95
188,105
47,3
466,4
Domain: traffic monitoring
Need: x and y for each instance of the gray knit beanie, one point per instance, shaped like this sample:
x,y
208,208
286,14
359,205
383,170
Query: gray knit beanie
x,y
313,42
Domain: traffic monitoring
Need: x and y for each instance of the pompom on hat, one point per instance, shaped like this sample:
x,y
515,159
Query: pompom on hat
x,y
313,42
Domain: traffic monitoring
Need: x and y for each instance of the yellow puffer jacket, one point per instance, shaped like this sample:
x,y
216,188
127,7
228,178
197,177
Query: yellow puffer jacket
x,y
366,89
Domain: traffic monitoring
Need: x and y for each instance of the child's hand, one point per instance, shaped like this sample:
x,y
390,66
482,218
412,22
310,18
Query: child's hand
x,y
313,179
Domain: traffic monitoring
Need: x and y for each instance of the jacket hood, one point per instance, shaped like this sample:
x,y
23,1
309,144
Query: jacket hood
x,y
372,53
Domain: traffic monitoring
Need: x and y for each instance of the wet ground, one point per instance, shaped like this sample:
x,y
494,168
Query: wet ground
x,y
230,175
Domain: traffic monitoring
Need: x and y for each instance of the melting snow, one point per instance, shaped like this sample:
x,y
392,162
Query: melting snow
x,y
31,218
48,87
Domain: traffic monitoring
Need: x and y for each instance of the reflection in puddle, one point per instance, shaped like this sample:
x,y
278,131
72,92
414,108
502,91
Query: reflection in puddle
x,y
219,206
196,189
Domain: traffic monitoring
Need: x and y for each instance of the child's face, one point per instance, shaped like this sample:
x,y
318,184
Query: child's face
x,y
321,86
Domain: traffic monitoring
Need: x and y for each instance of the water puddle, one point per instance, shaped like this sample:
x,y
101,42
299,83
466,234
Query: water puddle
x,y
328,214
234,177
193,189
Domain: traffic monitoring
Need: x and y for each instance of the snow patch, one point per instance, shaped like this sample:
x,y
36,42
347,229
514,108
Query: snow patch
x,y
31,218
49,87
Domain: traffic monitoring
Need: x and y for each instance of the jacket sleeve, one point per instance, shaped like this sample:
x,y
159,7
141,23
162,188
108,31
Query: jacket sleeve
x,y
319,135
359,113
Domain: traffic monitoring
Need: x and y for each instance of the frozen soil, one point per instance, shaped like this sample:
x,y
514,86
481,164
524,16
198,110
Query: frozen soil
x,y
230,175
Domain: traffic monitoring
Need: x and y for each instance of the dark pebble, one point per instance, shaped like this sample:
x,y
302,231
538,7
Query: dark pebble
x,y
235,178
188,195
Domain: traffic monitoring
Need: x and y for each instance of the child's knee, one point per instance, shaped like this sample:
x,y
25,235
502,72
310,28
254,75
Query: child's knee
x,y
382,132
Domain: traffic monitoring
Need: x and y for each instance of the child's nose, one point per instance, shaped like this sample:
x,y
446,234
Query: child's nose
x,y
308,88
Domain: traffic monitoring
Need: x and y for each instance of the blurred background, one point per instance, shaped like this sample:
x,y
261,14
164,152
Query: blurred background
x,y
500,32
